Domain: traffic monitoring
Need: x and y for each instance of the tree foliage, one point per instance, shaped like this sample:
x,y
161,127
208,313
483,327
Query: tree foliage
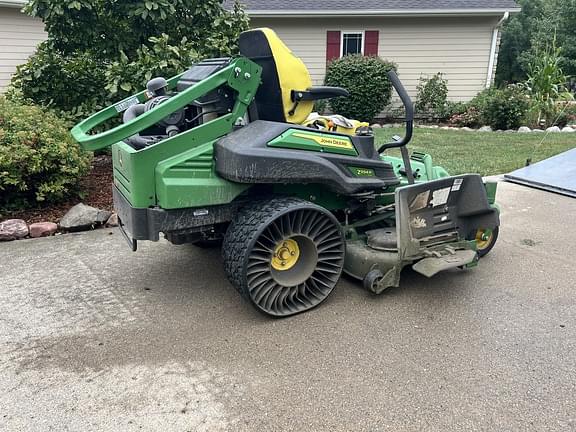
x,y
526,34
100,50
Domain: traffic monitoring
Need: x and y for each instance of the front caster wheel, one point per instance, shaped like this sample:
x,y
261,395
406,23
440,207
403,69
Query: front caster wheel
x,y
485,240
285,255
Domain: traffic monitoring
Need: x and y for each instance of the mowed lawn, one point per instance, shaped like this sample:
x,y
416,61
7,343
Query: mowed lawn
x,y
482,152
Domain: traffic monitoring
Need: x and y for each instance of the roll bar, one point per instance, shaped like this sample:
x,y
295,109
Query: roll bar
x,y
397,84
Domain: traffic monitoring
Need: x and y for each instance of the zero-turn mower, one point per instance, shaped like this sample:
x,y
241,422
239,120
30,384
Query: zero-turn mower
x,y
229,152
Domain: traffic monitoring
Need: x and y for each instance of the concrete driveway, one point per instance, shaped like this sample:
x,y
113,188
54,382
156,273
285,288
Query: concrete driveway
x,y
95,338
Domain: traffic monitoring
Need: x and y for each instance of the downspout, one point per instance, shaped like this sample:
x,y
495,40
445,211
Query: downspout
x,y
492,62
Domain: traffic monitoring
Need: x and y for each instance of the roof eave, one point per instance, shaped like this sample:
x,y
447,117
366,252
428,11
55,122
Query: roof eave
x,y
13,3
377,13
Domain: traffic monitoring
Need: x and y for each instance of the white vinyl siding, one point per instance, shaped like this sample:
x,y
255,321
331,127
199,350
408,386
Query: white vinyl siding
x,y
459,47
19,36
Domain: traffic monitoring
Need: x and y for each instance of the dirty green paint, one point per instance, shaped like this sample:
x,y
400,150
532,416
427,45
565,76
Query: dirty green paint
x,y
164,174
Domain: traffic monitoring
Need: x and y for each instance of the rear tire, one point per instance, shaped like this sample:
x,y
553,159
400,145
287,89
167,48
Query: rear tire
x,y
285,255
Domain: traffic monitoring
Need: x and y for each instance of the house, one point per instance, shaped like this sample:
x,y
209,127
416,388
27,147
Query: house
x,y
19,36
459,38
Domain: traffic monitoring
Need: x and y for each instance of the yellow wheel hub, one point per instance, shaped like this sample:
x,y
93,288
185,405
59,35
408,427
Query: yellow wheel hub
x,y
286,255
483,238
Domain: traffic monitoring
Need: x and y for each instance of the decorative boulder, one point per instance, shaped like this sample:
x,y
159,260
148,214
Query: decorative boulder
x,y
568,129
538,131
81,217
467,129
43,229
524,129
553,129
112,220
485,129
13,229
376,126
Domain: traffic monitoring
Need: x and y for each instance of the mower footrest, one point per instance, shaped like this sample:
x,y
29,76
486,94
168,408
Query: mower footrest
x,y
430,266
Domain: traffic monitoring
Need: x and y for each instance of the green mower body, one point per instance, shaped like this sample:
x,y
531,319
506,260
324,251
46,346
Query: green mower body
x,y
210,157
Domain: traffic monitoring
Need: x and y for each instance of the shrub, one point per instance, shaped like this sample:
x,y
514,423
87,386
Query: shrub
x,y
469,118
432,96
566,114
99,51
39,160
367,81
505,108
499,108
74,84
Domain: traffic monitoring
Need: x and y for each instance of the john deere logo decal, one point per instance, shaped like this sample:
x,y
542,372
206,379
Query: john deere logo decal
x,y
326,141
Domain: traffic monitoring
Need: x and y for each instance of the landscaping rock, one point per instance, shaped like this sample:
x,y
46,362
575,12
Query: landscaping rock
x,y
376,126
82,217
553,129
43,229
538,131
467,129
446,128
511,131
13,229
568,129
485,129
524,129
112,221
387,126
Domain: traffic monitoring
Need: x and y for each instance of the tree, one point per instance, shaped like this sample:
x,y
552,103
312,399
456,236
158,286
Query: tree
x,y
566,12
534,29
516,41
100,50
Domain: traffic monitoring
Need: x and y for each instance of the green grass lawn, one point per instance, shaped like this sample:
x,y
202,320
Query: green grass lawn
x,y
484,153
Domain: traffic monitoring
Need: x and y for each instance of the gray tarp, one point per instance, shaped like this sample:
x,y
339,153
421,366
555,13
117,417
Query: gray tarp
x,y
556,174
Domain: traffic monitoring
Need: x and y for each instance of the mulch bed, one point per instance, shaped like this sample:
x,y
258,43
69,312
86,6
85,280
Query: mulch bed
x,y
97,186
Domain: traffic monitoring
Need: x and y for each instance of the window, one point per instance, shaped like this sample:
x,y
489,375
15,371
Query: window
x,y
352,43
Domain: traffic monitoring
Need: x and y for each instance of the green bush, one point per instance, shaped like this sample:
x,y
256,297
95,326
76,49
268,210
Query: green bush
x,y
367,81
498,108
432,96
505,108
39,160
468,118
566,114
74,84
78,71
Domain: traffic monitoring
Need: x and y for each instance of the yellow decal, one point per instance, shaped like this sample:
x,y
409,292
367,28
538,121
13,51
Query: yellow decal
x,y
326,141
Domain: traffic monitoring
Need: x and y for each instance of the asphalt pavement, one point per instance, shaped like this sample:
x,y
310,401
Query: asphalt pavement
x,y
96,338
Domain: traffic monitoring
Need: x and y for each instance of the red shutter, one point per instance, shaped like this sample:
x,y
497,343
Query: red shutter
x,y
332,45
371,42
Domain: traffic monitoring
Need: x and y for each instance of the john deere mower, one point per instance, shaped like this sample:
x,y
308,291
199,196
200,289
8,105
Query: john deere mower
x,y
229,153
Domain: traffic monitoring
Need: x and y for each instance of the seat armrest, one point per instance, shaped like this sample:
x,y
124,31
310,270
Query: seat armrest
x,y
318,93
